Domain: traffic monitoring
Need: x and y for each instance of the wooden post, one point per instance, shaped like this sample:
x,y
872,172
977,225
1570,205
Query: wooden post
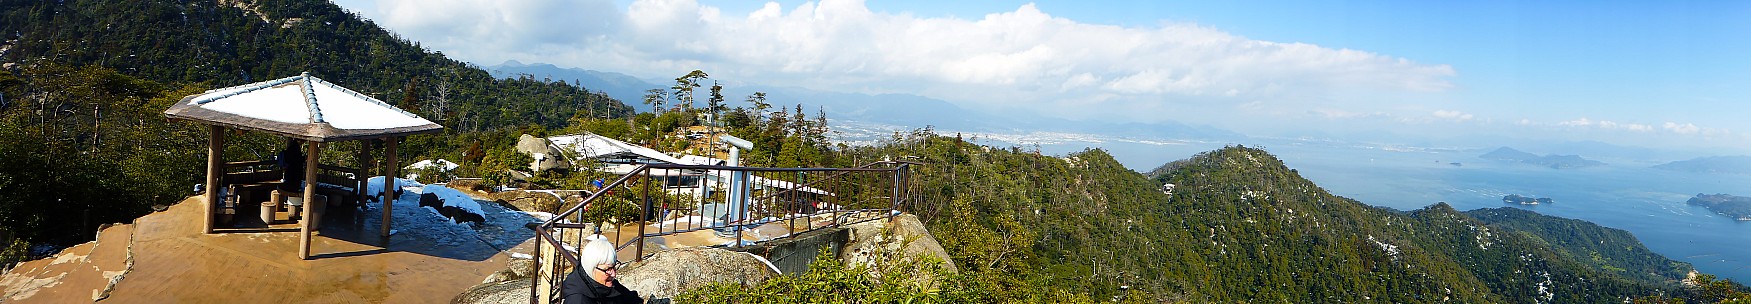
x,y
364,165
389,185
309,199
215,164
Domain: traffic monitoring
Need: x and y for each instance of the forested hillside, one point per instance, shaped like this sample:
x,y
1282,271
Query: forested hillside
x,y
219,43
1239,226
83,85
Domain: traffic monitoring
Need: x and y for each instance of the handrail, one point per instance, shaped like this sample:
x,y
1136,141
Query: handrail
x,y
731,213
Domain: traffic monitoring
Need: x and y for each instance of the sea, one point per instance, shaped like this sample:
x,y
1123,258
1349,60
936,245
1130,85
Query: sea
x,y
1625,194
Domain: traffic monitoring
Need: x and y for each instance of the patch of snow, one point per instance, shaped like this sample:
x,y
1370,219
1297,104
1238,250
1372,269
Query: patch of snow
x,y
764,261
1544,293
374,186
687,221
454,198
440,164
411,191
543,216
1390,249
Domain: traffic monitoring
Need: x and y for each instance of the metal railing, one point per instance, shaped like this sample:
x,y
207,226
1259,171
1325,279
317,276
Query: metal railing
x,y
673,206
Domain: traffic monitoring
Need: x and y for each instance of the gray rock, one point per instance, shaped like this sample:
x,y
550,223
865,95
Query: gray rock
x,y
516,269
871,245
507,292
546,156
668,273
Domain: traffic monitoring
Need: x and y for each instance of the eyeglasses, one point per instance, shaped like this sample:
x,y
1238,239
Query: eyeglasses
x,y
610,268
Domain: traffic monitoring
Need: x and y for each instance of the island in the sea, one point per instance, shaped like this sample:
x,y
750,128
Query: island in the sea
x,y
1712,164
1553,161
1525,200
1736,207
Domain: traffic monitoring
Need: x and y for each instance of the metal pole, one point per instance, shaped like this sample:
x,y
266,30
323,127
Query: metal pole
x,y
894,198
741,204
535,278
641,216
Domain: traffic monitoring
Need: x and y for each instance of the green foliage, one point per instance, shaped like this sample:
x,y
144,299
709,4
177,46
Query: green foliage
x,y
495,167
1719,291
1611,250
16,250
1737,207
829,280
86,146
1240,227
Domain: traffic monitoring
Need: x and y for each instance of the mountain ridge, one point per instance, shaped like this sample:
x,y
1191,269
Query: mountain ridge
x,y
889,108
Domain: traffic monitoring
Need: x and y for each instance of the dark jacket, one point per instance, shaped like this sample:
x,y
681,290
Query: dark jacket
x,y
579,288
291,162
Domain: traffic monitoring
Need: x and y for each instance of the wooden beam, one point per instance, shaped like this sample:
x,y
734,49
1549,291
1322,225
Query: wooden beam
x,y
304,225
389,184
215,163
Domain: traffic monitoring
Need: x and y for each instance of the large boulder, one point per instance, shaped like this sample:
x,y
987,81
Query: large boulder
x,y
670,272
873,242
546,156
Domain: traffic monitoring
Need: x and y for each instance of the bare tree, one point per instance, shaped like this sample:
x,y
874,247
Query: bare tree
x,y
441,102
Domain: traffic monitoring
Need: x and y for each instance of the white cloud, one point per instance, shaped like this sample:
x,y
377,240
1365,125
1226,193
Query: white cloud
x,y
1686,128
1582,122
1453,115
1024,56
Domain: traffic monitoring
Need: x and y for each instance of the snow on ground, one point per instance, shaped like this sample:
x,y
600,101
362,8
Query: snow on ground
x,y
412,190
503,228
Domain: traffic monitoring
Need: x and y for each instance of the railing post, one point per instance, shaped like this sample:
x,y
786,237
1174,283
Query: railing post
x,y
741,203
639,254
536,292
894,198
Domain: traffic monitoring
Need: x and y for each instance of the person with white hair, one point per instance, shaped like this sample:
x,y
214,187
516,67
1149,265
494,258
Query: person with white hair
x,y
593,280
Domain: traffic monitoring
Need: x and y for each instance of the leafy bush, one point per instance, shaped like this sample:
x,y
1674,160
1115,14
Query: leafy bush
x,y
832,281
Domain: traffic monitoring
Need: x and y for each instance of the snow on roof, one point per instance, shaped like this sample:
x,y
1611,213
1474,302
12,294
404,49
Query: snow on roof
x,y
690,159
588,145
301,106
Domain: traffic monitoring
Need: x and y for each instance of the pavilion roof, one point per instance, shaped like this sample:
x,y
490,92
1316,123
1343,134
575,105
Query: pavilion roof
x,y
303,107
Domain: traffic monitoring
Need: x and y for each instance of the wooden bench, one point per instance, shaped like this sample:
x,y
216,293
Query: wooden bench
x,y
261,181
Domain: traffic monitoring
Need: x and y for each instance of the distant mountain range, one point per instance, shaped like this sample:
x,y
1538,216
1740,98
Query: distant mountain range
x,y
903,110
1553,161
1712,164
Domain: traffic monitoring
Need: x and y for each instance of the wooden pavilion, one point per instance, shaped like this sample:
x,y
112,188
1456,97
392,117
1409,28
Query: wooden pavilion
x,y
307,109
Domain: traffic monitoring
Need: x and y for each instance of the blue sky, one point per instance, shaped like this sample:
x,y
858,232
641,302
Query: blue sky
x,y
1631,73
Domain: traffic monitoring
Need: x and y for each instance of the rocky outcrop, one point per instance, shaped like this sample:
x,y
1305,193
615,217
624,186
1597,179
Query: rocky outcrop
x,y
668,273
84,272
505,292
509,285
872,242
546,156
